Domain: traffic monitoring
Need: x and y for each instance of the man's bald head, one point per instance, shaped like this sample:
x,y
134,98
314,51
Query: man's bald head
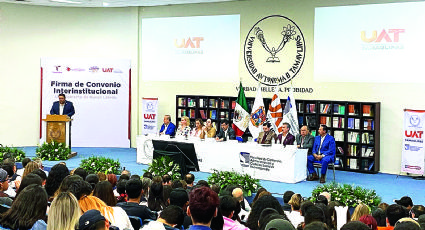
x,y
238,194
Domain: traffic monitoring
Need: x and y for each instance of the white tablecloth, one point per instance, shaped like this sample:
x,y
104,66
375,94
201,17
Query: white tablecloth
x,y
276,162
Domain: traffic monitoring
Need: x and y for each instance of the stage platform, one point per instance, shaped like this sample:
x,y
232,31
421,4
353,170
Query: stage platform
x,y
388,186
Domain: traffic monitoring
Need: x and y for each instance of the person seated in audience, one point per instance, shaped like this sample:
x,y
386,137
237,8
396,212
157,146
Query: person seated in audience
x,y
156,200
226,132
316,225
4,184
261,204
55,178
313,213
176,184
267,215
416,211
64,212
122,195
10,167
126,172
180,198
406,202
168,128
24,162
31,166
197,130
238,194
208,131
103,190
42,175
227,208
327,195
81,172
369,221
286,198
116,215
169,219
383,206
29,180
361,209
102,176
132,207
168,188
380,217
147,175
112,178
394,212
166,179
67,181
305,140
407,224
355,225
146,184
28,210
322,200
135,176
203,204
295,216
92,179
323,152
285,138
93,220
184,128
267,136
190,179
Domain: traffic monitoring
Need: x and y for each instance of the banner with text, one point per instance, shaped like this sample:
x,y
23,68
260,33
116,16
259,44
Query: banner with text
x,y
150,114
412,158
100,92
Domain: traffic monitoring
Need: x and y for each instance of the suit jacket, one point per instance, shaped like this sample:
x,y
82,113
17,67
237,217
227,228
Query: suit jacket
x,y
230,134
328,145
289,139
308,142
171,129
68,109
271,136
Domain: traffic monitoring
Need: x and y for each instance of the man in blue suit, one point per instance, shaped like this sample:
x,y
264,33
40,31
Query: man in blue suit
x,y
62,107
323,152
168,128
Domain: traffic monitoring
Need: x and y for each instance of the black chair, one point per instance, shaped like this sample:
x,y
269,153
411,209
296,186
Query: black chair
x,y
318,166
136,222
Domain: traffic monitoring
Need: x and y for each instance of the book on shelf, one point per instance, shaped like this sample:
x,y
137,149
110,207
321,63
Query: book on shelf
x,y
368,124
300,120
339,135
353,163
233,104
192,113
367,110
202,102
311,121
365,164
341,150
213,114
369,152
182,101
191,102
364,148
181,113
338,162
224,115
353,123
202,113
310,108
371,165
313,133
300,107
213,103
224,104
352,110
353,137
352,150
324,120
325,108
339,109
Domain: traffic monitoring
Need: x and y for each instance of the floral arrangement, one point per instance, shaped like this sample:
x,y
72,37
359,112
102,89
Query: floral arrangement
x,y
95,164
53,151
348,195
6,152
248,184
164,165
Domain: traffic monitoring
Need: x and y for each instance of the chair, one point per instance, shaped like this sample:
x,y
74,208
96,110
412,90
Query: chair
x,y
136,222
318,165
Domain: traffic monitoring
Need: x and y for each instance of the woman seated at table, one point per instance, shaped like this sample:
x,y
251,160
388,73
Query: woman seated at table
x,y
208,130
184,128
197,130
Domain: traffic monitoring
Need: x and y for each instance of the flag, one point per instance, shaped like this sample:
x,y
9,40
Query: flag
x,y
258,115
241,116
274,115
290,113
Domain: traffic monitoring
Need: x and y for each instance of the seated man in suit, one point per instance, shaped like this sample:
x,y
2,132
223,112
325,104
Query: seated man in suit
x,y
305,140
285,137
62,107
168,128
323,152
226,132
267,136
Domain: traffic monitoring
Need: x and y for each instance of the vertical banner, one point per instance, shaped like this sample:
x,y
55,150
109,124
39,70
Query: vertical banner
x,y
100,91
412,158
150,114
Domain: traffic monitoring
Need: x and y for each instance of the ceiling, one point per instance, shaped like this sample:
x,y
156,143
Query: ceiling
x,y
108,3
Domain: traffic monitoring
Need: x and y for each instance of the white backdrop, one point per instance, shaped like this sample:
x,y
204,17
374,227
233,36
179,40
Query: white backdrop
x,y
99,90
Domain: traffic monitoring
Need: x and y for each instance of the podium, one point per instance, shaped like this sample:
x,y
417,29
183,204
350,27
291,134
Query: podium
x,y
57,129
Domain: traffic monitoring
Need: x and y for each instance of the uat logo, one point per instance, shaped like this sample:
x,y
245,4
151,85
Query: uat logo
x,y
190,42
386,35
107,70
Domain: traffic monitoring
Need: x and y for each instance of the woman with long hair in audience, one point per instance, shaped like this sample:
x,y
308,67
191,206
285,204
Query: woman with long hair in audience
x,y
116,215
64,212
31,166
197,130
28,210
184,127
156,200
29,180
361,209
261,204
295,215
103,190
55,178
67,181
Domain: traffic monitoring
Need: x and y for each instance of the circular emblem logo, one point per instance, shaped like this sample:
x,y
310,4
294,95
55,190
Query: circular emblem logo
x,y
274,50
415,120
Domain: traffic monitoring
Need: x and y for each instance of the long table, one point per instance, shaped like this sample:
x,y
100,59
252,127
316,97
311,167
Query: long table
x,y
275,163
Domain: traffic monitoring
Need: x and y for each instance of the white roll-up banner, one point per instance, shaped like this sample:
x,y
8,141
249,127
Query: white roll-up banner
x,y
412,158
150,115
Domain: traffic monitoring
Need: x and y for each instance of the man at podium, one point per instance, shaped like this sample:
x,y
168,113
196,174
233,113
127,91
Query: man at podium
x,y
62,107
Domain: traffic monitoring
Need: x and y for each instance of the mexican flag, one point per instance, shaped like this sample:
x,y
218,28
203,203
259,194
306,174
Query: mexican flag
x,y
241,116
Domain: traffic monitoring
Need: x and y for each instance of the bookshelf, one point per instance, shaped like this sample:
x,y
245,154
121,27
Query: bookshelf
x,y
354,125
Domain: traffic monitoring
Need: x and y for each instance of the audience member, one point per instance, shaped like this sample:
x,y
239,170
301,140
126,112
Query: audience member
x,y
203,183
361,209
295,216
394,212
156,200
135,176
122,195
146,184
103,190
112,178
92,179
67,181
64,212
267,215
55,178
203,204
184,184
190,179
179,197
416,211
405,201
102,176
93,220
313,213
286,198
407,225
124,177
421,221
31,166
28,210
327,195
369,221
24,162
126,172
316,225
217,221
380,217
262,203
29,180
170,218
238,194
322,200
279,224
81,172
4,184
42,175
304,205
383,206
166,179
147,175
355,225
176,184
216,188
227,208
132,207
